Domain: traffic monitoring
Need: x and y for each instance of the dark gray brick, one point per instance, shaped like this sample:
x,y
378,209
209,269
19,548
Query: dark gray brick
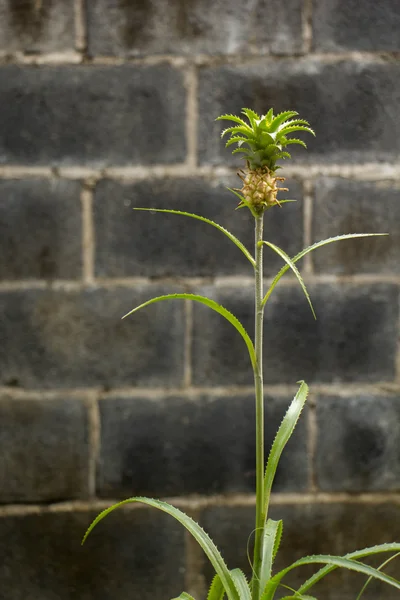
x,y
68,338
45,449
29,26
353,339
352,106
40,229
358,445
141,244
357,207
98,115
312,529
129,28
203,445
131,554
346,25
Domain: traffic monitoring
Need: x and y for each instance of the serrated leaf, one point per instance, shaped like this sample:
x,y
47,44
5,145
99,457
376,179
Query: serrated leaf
x,y
285,430
299,597
292,122
295,270
269,116
239,129
228,234
194,528
216,591
233,118
294,141
236,140
183,596
291,129
281,117
271,539
300,255
394,547
211,304
335,561
241,584
251,115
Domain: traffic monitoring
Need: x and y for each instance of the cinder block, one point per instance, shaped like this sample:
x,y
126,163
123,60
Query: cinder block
x,y
53,338
40,229
202,27
44,445
92,115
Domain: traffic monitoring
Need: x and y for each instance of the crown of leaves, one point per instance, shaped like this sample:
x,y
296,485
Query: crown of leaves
x,y
263,138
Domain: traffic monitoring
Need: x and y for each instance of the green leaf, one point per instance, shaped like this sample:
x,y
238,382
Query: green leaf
x,y
271,541
236,140
335,561
295,270
294,122
233,118
228,234
216,591
285,430
251,115
239,129
184,596
211,304
281,117
287,129
298,597
294,141
300,255
241,584
194,528
269,116
394,547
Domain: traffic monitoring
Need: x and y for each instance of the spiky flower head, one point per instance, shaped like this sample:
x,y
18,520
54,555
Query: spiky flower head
x,y
262,141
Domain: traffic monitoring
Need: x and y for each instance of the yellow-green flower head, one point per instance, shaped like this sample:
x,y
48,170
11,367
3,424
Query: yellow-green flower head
x,y
262,139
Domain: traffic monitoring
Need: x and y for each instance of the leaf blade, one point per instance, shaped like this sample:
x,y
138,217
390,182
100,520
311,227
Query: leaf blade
x,y
194,528
271,541
211,304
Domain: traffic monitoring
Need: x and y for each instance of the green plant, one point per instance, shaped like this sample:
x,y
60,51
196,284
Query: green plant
x,y
262,140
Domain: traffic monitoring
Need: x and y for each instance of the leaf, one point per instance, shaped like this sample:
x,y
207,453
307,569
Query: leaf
x,y
194,528
281,117
211,304
228,234
236,140
184,596
285,430
269,116
336,561
239,129
394,547
298,597
294,141
295,270
241,584
216,591
233,118
300,255
287,129
251,115
271,541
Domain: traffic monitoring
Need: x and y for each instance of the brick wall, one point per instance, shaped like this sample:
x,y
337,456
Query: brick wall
x,y
107,105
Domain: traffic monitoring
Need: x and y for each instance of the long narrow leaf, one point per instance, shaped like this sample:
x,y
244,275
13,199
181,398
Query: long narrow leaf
x,y
394,547
211,304
228,234
282,437
241,584
336,561
298,597
272,538
184,596
295,270
194,528
216,591
300,255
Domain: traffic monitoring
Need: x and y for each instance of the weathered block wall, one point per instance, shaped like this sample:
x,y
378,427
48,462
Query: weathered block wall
x,y
111,104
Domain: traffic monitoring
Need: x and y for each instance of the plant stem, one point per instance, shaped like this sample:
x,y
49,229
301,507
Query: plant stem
x,y
259,393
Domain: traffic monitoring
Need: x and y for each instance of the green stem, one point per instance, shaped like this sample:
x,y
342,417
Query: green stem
x,y
259,393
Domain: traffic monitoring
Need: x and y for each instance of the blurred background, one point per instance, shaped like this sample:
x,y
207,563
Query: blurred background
x,y
107,105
